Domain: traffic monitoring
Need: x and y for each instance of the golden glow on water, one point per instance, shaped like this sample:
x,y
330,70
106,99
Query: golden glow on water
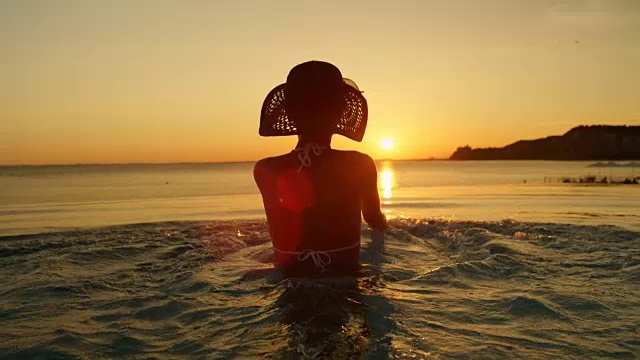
x,y
387,181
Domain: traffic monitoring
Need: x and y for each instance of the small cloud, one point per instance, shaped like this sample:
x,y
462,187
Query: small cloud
x,y
597,13
596,6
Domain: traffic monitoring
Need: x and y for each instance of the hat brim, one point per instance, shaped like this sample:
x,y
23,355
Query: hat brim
x,y
274,120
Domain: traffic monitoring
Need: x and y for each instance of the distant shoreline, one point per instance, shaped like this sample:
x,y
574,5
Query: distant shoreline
x,y
582,143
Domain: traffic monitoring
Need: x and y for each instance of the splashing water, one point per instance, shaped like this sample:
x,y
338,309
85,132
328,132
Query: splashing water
x,y
440,289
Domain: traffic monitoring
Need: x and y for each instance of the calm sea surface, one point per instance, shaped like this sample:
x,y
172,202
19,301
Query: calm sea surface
x,y
484,261
36,199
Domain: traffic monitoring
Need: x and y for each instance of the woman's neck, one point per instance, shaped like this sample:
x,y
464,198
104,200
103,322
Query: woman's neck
x,y
323,141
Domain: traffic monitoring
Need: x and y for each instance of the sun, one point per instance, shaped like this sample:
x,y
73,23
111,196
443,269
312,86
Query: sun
x,y
386,143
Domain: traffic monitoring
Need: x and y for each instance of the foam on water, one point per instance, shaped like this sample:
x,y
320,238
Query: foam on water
x,y
440,289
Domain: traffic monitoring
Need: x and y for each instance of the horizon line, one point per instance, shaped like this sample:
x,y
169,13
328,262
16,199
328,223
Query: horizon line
x,y
185,163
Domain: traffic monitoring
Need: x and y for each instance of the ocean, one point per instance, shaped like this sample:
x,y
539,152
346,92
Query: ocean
x,y
485,260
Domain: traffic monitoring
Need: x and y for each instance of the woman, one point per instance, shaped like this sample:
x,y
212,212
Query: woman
x,y
314,195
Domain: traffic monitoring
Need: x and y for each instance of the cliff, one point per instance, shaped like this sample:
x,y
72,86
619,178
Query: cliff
x,y
598,142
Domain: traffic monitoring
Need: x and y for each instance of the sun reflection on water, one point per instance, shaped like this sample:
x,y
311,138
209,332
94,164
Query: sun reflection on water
x,y
387,182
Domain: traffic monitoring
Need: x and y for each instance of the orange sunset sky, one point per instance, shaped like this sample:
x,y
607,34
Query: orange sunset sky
x,y
183,81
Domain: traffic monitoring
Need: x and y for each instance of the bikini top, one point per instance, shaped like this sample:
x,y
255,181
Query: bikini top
x,y
320,258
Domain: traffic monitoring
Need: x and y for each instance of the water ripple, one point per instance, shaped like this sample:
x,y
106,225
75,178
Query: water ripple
x,y
440,289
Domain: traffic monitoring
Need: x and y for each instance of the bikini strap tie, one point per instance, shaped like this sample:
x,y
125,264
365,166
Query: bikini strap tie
x,y
320,258
304,154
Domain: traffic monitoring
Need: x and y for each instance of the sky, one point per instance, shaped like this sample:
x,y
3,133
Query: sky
x,y
183,81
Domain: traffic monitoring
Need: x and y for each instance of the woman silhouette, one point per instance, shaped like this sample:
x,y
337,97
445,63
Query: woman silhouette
x,y
314,195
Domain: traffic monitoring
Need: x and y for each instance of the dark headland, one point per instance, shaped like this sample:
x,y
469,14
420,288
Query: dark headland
x,y
597,142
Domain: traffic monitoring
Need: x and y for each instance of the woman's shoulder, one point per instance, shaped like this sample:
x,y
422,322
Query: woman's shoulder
x,y
354,155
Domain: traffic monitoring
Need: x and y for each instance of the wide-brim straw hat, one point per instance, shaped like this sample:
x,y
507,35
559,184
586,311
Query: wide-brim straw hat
x,y
275,120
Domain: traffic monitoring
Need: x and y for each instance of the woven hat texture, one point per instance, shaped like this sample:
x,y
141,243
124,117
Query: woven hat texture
x,y
275,121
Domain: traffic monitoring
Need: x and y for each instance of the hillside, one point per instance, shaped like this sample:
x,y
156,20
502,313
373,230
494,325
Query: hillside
x,y
597,142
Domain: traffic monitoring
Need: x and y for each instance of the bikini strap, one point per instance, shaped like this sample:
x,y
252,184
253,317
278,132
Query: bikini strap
x,y
304,154
320,258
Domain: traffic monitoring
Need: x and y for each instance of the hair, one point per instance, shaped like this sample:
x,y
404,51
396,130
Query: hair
x,y
315,97
316,110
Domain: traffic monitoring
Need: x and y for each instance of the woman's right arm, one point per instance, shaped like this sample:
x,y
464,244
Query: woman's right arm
x,y
370,199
